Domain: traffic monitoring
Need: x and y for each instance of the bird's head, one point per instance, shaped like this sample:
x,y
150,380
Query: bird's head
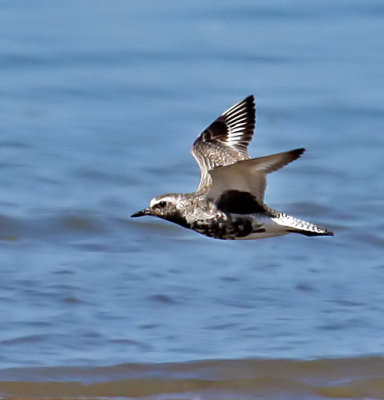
x,y
166,206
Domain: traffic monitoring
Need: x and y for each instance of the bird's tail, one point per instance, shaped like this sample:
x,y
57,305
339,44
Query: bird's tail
x,y
296,225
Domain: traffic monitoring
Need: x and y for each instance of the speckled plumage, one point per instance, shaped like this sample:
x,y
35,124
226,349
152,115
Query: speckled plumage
x,y
229,202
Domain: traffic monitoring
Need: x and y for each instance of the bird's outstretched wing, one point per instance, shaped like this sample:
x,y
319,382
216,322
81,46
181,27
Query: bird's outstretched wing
x,y
241,186
225,141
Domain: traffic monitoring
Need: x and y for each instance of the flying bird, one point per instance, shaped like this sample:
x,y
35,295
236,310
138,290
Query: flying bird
x,y
229,202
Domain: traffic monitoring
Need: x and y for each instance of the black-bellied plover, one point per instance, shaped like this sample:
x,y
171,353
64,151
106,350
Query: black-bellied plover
x,y
229,202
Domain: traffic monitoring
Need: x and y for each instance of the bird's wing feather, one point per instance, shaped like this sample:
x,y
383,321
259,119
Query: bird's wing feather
x,y
248,176
226,140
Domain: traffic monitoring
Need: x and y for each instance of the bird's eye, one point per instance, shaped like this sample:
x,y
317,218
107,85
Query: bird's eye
x,y
162,204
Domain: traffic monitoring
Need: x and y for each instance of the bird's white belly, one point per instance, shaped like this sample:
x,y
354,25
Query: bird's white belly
x,y
263,227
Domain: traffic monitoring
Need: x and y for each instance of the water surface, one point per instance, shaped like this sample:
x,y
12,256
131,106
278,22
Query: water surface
x,y
99,106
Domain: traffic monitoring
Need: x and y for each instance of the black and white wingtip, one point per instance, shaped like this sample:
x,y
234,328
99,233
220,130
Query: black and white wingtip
x,y
240,119
234,127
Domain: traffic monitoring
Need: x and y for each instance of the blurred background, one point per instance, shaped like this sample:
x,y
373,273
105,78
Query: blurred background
x,y
100,103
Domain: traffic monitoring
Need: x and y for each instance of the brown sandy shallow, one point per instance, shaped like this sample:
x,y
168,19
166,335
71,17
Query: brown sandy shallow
x,y
361,378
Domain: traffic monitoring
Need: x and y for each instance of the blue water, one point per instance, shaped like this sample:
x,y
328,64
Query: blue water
x,y
100,103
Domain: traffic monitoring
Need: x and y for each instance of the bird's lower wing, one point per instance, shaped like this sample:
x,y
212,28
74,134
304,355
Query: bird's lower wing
x,y
248,176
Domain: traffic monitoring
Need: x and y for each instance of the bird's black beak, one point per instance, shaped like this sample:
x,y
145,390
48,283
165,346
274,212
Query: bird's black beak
x,y
141,213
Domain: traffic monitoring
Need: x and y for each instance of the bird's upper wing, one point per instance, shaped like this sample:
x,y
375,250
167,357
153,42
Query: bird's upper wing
x,y
225,141
241,186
